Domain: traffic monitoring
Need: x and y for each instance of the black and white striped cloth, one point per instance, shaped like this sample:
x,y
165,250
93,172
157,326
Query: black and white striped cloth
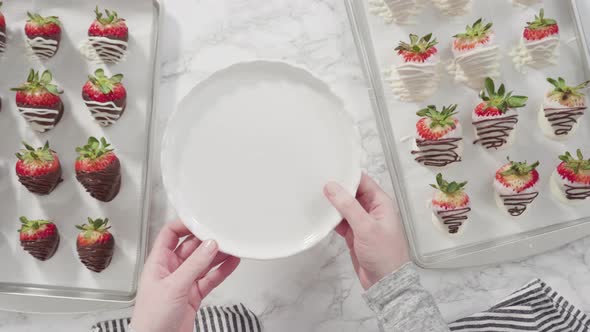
x,y
235,318
534,307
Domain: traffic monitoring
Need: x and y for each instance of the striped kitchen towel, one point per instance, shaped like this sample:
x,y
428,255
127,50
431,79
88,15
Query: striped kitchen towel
x,y
209,319
534,307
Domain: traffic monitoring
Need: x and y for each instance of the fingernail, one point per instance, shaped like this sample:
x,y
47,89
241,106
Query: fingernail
x,y
210,246
333,189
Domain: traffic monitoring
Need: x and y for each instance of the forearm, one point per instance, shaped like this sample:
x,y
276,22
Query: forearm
x,y
402,304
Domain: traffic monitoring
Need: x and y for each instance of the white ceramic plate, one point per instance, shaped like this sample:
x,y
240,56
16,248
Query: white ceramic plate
x,y
246,155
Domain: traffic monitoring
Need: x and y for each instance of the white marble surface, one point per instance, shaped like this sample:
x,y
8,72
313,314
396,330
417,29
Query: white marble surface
x,y
317,290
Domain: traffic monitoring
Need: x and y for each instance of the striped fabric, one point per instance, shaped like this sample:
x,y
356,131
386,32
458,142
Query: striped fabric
x,y
235,318
534,307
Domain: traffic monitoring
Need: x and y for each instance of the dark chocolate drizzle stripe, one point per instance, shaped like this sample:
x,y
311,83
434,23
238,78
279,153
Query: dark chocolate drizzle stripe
x,y
103,185
42,249
42,185
97,257
493,133
442,153
454,219
577,193
563,119
518,203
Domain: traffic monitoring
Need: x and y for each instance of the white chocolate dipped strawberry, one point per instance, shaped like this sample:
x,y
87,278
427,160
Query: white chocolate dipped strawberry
x,y
570,181
398,11
562,108
453,7
476,55
439,137
450,205
515,187
495,118
418,75
539,44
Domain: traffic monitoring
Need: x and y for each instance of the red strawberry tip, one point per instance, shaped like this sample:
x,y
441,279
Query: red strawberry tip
x,y
576,165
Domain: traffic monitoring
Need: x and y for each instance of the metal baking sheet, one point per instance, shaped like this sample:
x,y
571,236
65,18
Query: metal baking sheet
x,y
63,284
489,236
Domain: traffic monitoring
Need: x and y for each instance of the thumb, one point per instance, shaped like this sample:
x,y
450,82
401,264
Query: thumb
x,y
196,265
349,208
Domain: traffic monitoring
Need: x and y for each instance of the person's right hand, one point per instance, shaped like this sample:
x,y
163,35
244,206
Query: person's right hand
x,y
371,228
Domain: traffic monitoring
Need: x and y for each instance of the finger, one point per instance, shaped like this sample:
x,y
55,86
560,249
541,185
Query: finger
x,y
170,234
196,265
348,206
187,247
342,228
370,194
217,276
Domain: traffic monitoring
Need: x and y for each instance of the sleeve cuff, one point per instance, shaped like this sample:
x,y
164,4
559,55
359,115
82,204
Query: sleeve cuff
x,y
390,287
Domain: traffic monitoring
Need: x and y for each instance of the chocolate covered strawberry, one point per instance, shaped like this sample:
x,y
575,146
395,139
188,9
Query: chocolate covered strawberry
x,y
109,36
38,101
39,238
418,75
515,186
98,169
495,118
39,170
562,108
2,31
539,44
476,54
571,179
43,35
450,204
439,139
105,97
95,244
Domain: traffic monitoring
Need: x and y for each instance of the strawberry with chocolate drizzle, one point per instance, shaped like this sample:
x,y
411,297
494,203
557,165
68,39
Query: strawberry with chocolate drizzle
x,y
98,169
2,31
39,170
38,101
495,118
43,35
515,186
572,177
105,97
562,108
450,204
95,244
109,36
439,139
40,238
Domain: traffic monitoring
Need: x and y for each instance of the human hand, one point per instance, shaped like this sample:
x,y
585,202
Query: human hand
x,y
176,278
371,228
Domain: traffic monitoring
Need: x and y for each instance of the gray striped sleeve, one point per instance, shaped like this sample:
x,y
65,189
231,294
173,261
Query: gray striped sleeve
x,y
402,304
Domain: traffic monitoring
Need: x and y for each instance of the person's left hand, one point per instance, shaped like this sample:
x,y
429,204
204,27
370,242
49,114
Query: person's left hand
x,y
176,278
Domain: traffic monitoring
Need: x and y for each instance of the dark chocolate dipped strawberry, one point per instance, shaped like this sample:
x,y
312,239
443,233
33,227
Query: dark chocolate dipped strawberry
x,y
2,31
43,35
38,101
105,97
109,36
98,169
95,244
39,170
39,238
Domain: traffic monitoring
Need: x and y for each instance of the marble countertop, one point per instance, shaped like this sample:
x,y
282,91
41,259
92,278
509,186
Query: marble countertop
x,y
317,290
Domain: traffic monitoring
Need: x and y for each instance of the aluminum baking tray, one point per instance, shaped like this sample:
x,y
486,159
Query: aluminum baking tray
x,y
62,284
489,237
